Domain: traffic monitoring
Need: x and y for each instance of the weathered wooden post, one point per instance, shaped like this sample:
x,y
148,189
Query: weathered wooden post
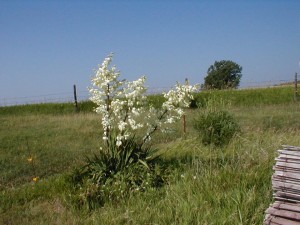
x,y
184,125
184,116
296,88
75,98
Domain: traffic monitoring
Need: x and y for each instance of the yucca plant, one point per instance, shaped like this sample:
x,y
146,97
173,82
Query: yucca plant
x,y
125,112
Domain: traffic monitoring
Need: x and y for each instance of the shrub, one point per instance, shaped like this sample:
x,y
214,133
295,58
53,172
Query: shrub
x,y
216,127
197,102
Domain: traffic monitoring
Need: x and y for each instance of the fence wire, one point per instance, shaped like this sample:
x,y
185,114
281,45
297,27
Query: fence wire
x,y
64,97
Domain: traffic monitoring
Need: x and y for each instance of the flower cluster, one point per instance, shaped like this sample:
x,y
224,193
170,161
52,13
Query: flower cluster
x,y
31,161
121,104
178,99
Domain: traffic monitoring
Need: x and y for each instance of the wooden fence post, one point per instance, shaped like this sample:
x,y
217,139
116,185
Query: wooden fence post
x,y
75,98
296,88
184,116
184,124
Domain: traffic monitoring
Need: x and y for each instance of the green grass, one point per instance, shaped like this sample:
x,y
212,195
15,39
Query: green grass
x,y
47,109
251,97
243,97
231,185
54,142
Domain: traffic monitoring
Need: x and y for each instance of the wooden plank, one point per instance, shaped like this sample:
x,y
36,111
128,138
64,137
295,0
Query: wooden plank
x,y
285,156
288,175
269,220
273,223
286,169
282,221
288,191
285,200
287,195
287,160
285,179
286,164
294,166
278,184
288,152
290,207
284,213
289,156
282,179
289,147
285,203
287,185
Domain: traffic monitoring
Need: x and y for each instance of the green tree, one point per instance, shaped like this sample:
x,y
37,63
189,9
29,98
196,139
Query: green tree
x,y
223,74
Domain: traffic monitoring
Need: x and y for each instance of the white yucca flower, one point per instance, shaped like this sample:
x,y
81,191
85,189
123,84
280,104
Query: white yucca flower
x,y
121,104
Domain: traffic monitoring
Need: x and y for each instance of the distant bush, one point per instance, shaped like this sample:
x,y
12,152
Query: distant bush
x,y
216,127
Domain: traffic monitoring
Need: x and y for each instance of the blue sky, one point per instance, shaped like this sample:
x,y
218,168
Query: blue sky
x,y
47,46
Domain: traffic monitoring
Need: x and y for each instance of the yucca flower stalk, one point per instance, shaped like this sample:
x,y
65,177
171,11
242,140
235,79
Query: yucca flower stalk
x,y
125,165
121,103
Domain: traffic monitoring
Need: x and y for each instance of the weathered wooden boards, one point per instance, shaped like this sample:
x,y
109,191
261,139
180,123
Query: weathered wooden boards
x,y
286,186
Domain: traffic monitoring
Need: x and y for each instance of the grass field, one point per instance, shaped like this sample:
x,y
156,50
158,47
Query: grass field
x,y
209,186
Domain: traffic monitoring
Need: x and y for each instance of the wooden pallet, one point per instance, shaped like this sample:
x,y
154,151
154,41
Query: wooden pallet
x,y
286,186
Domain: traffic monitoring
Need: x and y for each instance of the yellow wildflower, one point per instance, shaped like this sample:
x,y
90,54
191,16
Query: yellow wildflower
x,y
35,179
30,159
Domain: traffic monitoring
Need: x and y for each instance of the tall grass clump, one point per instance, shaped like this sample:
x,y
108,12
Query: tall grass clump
x,y
126,163
215,124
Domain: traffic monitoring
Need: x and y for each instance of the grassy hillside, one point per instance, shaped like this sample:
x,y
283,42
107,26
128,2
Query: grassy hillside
x,y
253,97
209,185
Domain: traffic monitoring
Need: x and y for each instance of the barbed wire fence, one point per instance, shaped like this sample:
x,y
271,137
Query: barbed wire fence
x,y
63,97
